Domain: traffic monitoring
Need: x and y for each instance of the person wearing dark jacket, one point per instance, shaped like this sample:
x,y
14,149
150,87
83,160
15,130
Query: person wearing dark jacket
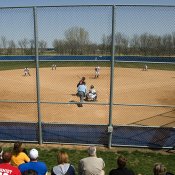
x,y
122,169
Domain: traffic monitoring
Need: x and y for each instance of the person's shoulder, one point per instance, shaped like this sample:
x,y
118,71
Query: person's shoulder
x,y
99,158
23,154
13,168
84,159
129,171
23,165
41,163
112,171
71,167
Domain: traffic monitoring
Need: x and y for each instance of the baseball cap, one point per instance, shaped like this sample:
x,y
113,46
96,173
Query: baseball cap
x,y
33,154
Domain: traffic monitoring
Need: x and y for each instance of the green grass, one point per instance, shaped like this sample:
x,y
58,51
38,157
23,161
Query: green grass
x,y
31,64
139,161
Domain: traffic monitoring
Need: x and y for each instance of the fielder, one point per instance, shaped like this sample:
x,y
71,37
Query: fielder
x,y
97,71
145,68
26,71
54,66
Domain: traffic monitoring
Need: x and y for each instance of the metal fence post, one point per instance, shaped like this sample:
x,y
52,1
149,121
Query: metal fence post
x,y
37,73
110,127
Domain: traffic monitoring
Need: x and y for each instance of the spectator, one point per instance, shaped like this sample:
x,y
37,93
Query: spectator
x,y
160,169
34,164
63,167
121,170
1,152
91,164
6,168
19,155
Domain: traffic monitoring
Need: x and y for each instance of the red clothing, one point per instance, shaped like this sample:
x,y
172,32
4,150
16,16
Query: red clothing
x,y
7,169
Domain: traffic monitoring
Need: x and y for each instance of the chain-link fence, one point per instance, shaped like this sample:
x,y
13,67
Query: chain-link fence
x,y
45,52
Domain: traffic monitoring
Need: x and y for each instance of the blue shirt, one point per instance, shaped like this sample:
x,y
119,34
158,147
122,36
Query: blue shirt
x,y
81,88
39,167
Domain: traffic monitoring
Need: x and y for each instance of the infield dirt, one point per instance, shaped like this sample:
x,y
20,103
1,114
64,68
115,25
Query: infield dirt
x,y
131,87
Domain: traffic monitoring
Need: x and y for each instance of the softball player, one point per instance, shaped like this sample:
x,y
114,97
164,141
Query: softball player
x,y
91,95
54,66
97,71
26,71
145,68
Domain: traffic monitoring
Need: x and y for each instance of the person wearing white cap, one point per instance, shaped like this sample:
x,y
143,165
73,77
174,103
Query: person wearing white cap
x,y
34,164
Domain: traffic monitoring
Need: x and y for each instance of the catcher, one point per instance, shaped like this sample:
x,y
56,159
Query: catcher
x,y
92,94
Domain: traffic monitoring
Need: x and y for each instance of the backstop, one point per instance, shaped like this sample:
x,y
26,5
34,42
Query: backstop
x,y
133,45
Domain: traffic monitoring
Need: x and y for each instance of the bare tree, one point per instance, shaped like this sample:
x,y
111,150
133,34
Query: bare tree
x,y
32,46
42,46
167,44
122,43
77,39
12,47
23,45
4,44
106,44
60,46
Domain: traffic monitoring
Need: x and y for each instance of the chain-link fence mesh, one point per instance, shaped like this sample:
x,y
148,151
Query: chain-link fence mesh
x,y
45,52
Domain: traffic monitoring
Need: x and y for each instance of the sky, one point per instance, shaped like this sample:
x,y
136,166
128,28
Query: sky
x,y
5,3
17,24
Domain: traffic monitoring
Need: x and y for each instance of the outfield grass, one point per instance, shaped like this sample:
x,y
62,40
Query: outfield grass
x,y
140,161
9,65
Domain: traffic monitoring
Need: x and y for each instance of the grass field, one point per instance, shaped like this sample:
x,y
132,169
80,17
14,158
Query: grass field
x,y
139,160
6,65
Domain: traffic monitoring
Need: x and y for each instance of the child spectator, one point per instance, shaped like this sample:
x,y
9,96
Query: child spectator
x,y
19,155
160,169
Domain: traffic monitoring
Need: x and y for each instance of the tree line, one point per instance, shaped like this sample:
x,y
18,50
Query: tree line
x,y
77,42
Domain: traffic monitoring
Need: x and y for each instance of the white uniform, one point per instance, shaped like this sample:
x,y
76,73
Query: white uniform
x,y
145,67
92,94
54,66
26,71
97,71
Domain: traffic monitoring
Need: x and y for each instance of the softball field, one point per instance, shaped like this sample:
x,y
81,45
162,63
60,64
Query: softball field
x,y
131,86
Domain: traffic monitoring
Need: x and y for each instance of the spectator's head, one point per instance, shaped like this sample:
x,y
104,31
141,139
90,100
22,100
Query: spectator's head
x,y
6,156
83,78
62,157
33,154
92,151
17,148
121,161
30,172
159,169
1,152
